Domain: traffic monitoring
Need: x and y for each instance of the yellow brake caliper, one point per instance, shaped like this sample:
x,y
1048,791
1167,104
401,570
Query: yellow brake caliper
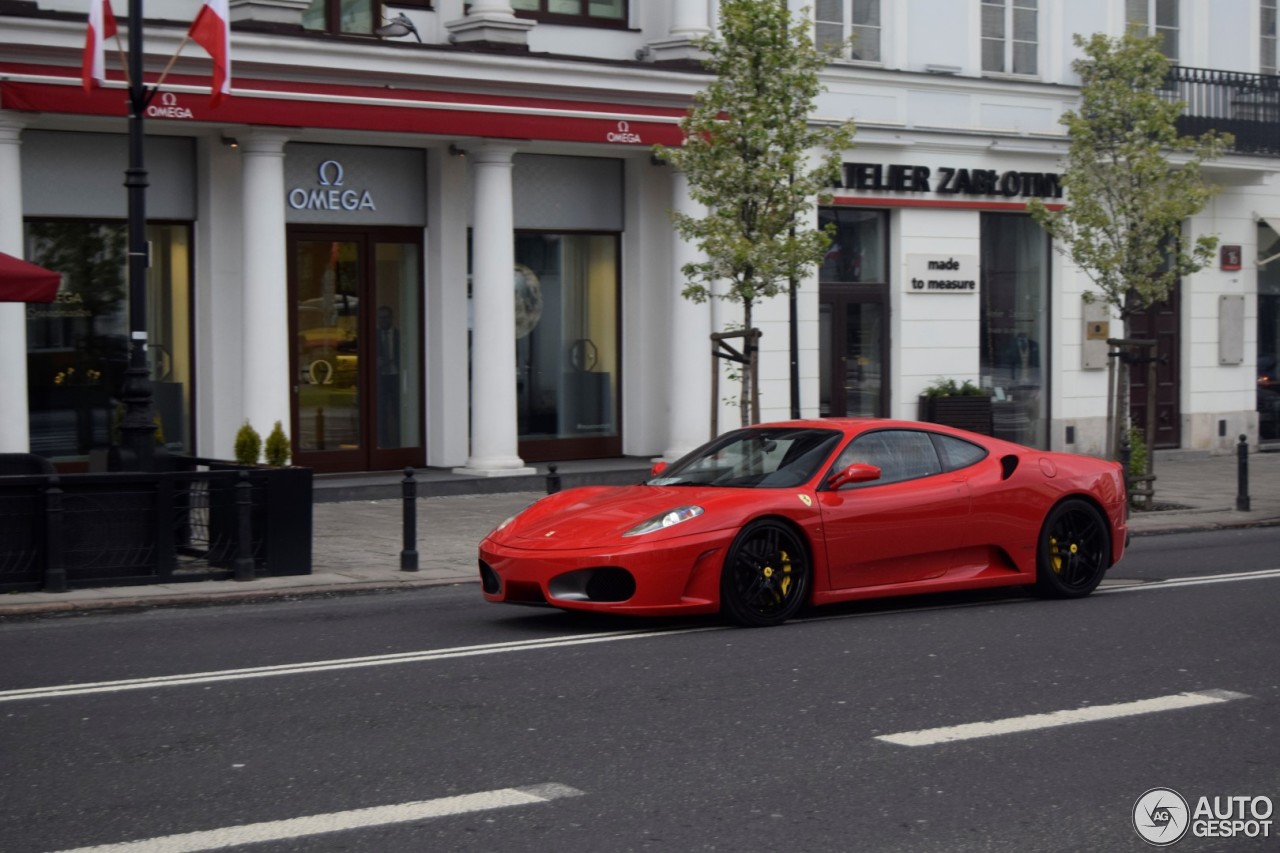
x,y
1056,555
785,584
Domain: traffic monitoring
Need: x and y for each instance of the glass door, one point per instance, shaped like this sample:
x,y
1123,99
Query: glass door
x,y
357,401
852,354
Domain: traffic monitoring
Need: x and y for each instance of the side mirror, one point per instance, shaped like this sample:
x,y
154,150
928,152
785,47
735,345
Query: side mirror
x,y
858,472
658,468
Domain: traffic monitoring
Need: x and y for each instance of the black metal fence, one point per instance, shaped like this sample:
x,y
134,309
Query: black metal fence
x,y
1244,105
203,520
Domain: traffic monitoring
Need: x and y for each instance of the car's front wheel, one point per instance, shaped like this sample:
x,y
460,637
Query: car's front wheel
x,y
765,579
1074,552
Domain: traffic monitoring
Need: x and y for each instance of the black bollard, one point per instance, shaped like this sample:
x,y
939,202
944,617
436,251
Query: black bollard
x,y
243,562
553,480
55,571
409,491
1242,475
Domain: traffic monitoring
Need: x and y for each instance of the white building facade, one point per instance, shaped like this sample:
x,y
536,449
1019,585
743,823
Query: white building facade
x,y
334,246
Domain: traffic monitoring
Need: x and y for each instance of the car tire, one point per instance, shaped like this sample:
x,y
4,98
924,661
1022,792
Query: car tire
x,y
766,575
1074,551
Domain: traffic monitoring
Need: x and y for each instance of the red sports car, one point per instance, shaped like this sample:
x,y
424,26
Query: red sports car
x,y
763,520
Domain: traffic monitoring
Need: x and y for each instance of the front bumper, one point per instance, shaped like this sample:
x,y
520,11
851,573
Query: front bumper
x,y
669,577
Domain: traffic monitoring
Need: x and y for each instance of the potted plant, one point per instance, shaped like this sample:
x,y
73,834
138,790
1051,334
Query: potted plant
x,y
958,404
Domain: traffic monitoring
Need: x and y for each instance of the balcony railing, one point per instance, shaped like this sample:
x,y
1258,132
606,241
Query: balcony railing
x,y
1245,105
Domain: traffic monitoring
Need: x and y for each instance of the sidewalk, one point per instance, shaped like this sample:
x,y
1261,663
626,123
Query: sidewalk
x,y
357,543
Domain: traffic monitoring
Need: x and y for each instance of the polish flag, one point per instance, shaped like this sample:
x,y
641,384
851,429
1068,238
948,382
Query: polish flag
x,y
102,26
212,31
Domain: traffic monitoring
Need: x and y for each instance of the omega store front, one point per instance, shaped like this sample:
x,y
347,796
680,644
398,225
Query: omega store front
x,y
355,241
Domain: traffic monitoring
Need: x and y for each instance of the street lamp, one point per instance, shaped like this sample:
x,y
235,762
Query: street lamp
x,y
138,427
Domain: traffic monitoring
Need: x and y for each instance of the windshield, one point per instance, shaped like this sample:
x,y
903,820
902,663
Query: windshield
x,y
769,458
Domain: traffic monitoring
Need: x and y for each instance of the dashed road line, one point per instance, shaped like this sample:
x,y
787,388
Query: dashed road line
x,y
1053,719
279,830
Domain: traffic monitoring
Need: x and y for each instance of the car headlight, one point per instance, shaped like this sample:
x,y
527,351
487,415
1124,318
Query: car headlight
x,y
670,518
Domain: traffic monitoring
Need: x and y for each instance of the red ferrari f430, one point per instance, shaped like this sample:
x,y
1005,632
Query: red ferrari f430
x,y
765,520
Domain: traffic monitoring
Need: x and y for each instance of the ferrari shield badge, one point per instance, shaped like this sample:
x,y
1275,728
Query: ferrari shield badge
x,y
805,499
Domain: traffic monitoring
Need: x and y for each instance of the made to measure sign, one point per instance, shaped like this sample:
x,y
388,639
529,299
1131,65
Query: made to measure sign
x,y
942,273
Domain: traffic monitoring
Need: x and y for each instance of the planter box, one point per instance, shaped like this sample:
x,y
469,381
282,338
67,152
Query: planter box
x,y
965,412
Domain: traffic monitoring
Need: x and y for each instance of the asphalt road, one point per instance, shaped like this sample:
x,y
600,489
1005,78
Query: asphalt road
x,y
473,727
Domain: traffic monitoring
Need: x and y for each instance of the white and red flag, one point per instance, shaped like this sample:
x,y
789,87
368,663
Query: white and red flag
x,y
212,31
102,26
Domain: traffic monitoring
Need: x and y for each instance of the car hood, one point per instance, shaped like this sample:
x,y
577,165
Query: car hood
x,y
595,515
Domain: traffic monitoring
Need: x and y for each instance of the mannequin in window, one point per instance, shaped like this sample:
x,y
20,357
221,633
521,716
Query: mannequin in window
x,y
1023,358
388,368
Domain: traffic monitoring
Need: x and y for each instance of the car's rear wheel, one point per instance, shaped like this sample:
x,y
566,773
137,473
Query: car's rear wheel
x,y
1074,552
765,580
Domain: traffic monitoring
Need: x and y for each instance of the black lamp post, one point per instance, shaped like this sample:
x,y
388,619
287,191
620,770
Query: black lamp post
x,y
137,429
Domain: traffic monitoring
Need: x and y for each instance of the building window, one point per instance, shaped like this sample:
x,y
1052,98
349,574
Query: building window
x,y
1009,36
78,346
849,29
1013,343
1268,30
593,12
350,17
1156,18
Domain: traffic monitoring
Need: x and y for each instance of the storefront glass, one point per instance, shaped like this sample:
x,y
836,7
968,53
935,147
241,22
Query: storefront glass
x,y
1014,326
77,347
566,339
1268,335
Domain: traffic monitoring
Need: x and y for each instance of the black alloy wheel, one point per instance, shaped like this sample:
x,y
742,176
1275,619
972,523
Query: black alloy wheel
x,y
765,580
1074,552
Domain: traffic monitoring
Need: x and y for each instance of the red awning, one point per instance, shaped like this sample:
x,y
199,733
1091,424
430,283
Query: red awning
x,y
21,281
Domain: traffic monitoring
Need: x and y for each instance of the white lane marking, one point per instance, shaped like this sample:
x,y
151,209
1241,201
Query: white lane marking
x,y
278,830
1052,719
1205,579
489,649
330,665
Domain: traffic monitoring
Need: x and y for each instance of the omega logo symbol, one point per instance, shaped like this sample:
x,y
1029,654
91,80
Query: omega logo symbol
x,y
624,134
168,108
330,166
330,175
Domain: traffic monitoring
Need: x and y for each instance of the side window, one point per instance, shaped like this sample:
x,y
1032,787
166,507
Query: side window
x,y
957,453
900,454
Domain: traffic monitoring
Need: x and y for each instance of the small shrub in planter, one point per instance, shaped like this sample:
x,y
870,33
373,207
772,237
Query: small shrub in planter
x,y
277,447
961,405
248,445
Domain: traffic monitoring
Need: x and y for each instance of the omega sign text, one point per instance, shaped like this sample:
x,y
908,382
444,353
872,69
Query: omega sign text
x,y
328,193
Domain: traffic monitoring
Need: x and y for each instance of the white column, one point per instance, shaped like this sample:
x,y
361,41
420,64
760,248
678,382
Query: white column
x,y
689,346
265,324
494,433
15,435
690,18
690,21
491,22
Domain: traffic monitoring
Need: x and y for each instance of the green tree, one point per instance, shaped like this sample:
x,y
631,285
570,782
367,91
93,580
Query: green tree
x,y
755,161
1131,180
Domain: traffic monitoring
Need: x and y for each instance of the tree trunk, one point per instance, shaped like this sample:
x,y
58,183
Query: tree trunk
x,y
744,396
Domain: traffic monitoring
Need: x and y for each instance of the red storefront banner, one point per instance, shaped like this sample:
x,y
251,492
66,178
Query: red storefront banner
x,y
52,89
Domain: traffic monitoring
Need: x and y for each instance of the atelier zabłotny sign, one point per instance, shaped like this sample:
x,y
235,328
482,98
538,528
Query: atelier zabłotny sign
x,y
945,180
